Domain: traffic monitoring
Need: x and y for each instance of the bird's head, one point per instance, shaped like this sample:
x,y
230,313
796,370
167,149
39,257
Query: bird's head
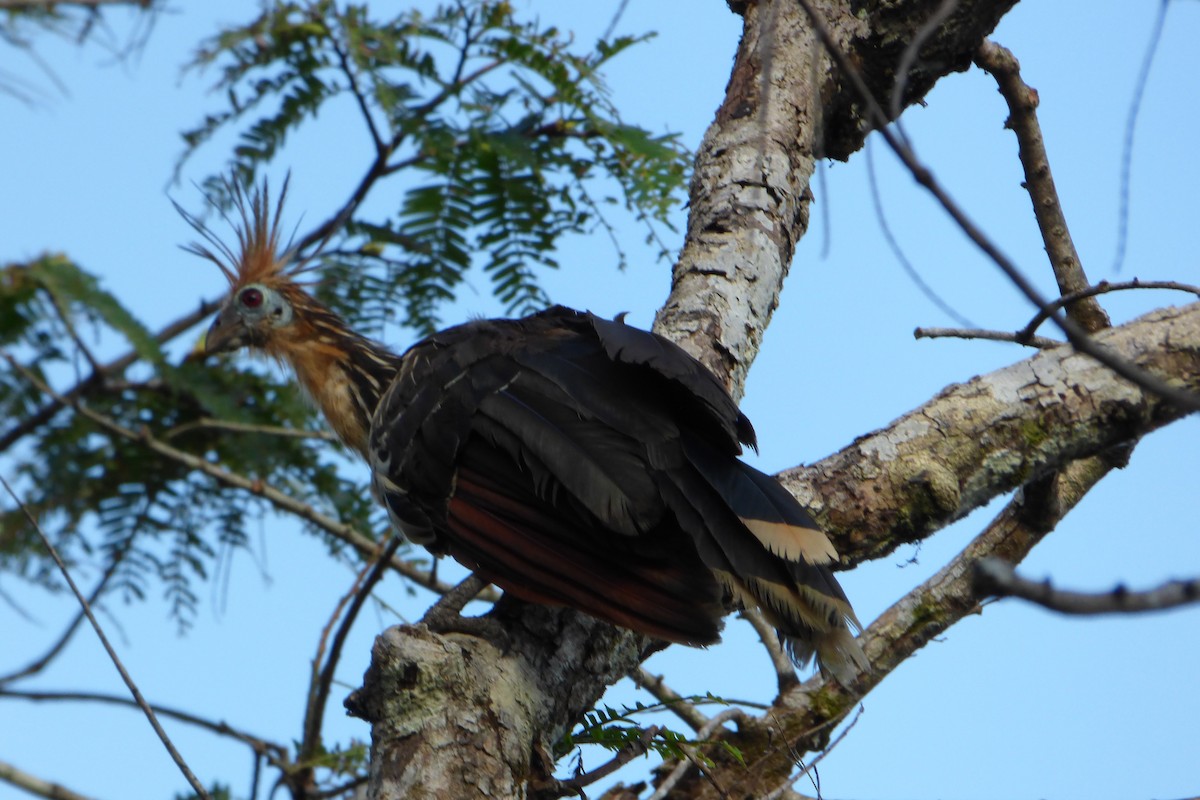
x,y
260,310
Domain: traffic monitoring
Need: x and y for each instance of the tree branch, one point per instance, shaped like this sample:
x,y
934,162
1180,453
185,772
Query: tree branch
x,y
925,177
275,753
1039,182
996,577
30,5
674,702
749,199
324,668
33,784
112,654
981,439
1016,337
339,530
38,664
803,719
1103,287
43,415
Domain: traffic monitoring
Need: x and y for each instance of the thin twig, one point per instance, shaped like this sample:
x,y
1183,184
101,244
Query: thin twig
x,y
243,427
1039,183
32,783
809,768
381,147
1016,337
894,245
682,767
1103,287
785,671
671,700
913,50
275,753
37,665
380,168
623,756
998,578
1135,105
361,589
339,530
65,318
112,654
922,174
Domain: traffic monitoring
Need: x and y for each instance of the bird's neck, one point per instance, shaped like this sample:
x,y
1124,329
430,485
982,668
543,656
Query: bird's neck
x,y
345,373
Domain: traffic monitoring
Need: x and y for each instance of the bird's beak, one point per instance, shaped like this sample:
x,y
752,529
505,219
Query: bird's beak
x,y
226,334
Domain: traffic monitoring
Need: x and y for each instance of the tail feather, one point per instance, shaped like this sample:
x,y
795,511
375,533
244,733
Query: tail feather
x,y
772,555
837,652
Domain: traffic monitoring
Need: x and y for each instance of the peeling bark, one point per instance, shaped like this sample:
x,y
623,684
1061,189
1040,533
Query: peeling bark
x,y
984,438
454,715
786,106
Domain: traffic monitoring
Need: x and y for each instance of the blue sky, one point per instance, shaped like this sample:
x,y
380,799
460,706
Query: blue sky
x,y
1015,702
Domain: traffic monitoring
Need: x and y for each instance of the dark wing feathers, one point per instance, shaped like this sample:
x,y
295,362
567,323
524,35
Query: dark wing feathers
x,y
579,461
690,382
597,465
563,559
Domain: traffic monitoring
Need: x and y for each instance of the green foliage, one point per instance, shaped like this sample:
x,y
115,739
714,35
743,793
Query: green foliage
x,y
501,131
616,729
341,762
217,791
157,519
496,137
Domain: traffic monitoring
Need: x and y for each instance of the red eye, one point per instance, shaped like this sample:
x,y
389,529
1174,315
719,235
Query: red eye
x,y
251,298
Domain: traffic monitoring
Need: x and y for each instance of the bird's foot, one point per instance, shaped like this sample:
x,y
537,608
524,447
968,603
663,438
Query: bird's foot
x,y
445,616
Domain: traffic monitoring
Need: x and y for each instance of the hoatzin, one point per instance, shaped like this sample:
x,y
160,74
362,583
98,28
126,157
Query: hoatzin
x,y
569,459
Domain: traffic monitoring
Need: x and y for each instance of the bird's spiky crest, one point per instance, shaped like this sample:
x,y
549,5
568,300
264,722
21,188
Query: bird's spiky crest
x,y
260,256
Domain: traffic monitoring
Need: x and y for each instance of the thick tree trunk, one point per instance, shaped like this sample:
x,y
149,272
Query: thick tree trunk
x,y
785,107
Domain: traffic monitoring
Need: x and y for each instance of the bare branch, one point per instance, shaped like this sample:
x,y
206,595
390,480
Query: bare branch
x,y
112,654
1135,105
380,168
703,734
913,50
242,427
322,681
1017,337
32,783
275,753
785,672
339,530
897,251
30,5
993,434
561,788
38,664
808,768
364,108
922,174
40,417
1039,182
1103,287
671,700
996,577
